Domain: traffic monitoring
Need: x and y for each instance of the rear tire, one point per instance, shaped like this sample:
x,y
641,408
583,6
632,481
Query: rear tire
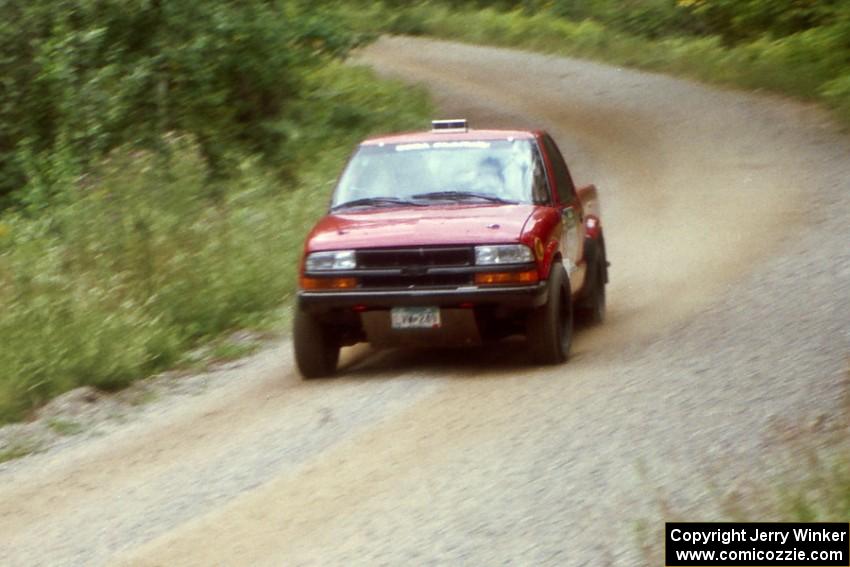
x,y
316,350
592,309
550,326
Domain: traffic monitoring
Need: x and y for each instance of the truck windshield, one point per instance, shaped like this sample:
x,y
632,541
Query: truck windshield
x,y
423,173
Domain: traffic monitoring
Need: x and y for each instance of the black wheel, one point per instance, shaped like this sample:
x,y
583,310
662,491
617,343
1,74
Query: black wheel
x,y
550,326
316,350
592,308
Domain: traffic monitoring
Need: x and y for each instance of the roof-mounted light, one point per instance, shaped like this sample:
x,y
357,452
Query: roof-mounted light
x,y
449,126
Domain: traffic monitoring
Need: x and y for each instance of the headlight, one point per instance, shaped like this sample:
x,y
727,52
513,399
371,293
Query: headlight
x,y
336,260
503,254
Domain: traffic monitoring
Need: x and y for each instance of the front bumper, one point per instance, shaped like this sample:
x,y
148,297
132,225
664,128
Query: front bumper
x,y
526,296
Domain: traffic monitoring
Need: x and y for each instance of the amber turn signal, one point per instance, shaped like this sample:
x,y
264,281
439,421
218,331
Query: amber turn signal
x,y
328,283
527,277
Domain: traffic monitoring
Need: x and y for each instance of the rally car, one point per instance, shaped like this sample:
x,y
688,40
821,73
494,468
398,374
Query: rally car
x,y
451,236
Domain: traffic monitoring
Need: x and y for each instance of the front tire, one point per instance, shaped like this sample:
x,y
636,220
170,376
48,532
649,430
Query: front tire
x,y
316,350
550,326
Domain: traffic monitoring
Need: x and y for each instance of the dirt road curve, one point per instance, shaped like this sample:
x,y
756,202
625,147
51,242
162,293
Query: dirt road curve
x,y
727,222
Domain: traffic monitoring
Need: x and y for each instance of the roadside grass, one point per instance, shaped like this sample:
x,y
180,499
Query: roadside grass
x,y
143,259
815,489
19,448
65,426
215,351
223,351
144,397
808,480
814,64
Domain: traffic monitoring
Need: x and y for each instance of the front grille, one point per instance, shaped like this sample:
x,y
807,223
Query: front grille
x,y
427,280
415,267
415,257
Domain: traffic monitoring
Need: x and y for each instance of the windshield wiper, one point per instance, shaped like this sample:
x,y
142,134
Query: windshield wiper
x,y
463,196
374,202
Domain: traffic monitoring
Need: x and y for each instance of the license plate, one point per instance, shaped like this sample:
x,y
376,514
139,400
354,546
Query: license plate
x,y
415,317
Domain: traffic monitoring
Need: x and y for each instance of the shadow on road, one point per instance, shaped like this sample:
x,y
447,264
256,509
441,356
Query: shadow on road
x,y
499,359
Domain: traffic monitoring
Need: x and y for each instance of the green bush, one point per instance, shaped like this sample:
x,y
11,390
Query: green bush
x,y
734,21
82,77
837,93
745,20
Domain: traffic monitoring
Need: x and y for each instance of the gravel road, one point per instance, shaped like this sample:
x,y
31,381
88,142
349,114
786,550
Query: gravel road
x,y
726,219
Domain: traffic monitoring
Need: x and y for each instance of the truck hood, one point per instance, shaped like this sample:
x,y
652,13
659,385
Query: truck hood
x,y
420,226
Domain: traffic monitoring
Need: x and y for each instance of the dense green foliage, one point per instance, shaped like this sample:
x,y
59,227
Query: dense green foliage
x,y
734,20
82,77
163,164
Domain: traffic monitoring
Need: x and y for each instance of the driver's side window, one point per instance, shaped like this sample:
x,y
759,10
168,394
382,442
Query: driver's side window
x,y
540,184
563,180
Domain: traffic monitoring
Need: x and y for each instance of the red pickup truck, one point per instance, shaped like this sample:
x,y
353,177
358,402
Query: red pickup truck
x,y
451,237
